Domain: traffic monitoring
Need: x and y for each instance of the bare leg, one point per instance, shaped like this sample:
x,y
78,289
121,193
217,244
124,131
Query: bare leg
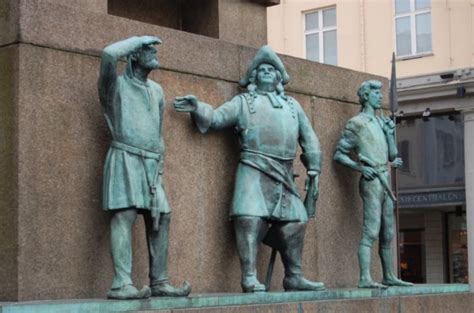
x,y
158,258
371,192
385,246
121,250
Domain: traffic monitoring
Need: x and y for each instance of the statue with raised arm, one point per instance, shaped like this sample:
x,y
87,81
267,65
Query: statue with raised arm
x,y
372,139
266,205
133,108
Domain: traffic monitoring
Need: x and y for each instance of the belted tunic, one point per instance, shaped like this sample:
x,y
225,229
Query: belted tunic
x,y
364,134
134,163
269,127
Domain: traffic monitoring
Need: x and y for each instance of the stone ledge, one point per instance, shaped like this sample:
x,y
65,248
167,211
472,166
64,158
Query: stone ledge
x,y
226,300
41,23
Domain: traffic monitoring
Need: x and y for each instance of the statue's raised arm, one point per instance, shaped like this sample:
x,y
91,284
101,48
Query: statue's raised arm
x,y
133,107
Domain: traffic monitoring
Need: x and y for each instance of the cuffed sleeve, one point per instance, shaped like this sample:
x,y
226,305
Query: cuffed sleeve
x,y
203,116
309,142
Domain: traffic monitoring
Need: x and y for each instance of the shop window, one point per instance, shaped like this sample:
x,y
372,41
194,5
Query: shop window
x,y
432,151
413,27
412,255
321,36
457,245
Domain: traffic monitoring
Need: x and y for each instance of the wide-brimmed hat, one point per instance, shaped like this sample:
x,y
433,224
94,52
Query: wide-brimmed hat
x,y
265,55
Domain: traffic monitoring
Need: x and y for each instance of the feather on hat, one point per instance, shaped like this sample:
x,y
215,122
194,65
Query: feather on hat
x,y
265,55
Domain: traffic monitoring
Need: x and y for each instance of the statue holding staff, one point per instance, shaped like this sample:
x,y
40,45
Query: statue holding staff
x,y
372,139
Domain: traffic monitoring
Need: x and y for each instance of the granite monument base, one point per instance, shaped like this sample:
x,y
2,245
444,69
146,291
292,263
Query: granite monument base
x,y
420,298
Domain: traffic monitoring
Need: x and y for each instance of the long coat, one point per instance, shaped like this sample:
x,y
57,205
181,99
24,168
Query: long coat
x,y
270,127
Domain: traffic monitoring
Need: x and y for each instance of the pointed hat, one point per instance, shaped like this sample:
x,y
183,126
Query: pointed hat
x,y
265,55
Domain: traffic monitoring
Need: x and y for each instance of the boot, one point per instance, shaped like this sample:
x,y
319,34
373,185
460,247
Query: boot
x,y
158,250
164,289
251,284
246,233
299,283
129,292
292,235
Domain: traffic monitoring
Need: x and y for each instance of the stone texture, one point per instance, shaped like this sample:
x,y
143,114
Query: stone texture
x,y
64,233
201,17
385,305
8,21
165,13
99,6
284,307
62,141
455,299
251,18
181,52
9,174
438,303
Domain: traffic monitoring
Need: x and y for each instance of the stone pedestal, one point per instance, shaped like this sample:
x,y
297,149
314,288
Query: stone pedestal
x,y
453,298
53,142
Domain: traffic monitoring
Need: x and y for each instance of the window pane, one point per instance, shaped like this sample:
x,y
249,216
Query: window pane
x,y
329,17
403,35
423,32
422,4
330,47
311,21
312,47
402,6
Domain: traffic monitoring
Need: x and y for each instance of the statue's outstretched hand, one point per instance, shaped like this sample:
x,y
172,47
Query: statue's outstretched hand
x,y
186,104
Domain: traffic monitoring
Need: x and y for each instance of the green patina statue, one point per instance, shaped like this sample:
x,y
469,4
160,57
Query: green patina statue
x,y
266,204
133,108
372,138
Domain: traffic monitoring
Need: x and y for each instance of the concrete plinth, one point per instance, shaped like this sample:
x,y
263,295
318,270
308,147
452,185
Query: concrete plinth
x,y
420,298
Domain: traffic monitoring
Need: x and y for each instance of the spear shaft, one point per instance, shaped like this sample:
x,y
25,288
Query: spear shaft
x,y
393,108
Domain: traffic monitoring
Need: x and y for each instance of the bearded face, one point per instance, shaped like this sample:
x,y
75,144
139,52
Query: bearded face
x,y
146,58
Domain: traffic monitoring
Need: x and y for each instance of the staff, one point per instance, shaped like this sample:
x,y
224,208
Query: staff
x,y
393,108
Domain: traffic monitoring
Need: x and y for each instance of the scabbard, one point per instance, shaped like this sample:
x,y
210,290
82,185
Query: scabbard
x,y
156,221
310,199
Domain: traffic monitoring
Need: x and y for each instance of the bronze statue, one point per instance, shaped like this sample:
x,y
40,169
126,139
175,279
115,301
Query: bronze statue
x,y
133,108
372,138
266,204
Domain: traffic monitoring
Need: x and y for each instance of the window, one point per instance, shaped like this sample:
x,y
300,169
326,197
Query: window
x,y
320,36
413,27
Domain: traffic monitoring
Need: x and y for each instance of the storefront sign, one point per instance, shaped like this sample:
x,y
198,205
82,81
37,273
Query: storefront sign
x,y
432,198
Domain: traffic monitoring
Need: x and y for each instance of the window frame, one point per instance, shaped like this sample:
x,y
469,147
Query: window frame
x,y
320,31
412,13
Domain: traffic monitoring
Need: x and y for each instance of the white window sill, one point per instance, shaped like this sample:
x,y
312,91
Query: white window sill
x,y
414,56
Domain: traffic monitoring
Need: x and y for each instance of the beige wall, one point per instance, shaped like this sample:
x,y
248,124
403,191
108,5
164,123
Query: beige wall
x,y
366,38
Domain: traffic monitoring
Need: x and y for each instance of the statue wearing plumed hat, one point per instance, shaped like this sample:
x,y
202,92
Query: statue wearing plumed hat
x,y
266,205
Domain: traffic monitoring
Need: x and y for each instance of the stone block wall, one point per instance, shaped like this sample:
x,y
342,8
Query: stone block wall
x,y
54,235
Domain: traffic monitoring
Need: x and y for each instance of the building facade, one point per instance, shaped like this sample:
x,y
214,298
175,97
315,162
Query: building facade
x,y
434,45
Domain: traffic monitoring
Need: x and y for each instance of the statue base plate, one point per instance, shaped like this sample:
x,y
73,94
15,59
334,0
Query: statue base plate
x,y
280,301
